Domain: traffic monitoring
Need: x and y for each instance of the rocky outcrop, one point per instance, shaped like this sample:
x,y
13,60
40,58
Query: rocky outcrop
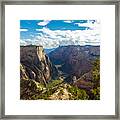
x,y
61,93
35,64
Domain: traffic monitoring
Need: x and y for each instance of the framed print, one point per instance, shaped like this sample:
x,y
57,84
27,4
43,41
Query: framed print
x,y
60,60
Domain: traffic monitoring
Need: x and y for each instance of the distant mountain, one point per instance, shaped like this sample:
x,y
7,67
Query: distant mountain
x,y
74,59
47,51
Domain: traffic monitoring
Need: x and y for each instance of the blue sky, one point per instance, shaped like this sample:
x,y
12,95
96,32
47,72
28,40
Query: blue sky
x,y
52,33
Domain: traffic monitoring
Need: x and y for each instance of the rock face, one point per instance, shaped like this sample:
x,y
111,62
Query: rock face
x,y
74,59
61,93
85,81
35,64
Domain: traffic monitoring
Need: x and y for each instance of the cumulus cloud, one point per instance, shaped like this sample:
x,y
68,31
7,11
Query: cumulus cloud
x,y
45,22
54,38
22,43
93,25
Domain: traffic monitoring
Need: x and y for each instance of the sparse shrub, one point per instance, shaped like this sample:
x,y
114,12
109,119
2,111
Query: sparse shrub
x,y
53,83
78,94
96,93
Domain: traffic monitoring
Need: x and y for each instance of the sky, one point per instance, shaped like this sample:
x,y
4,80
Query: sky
x,y
54,33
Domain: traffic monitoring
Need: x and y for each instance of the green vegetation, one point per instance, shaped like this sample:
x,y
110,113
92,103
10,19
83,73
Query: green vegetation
x,y
53,83
96,70
42,92
96,93
50,89
78,94
32,90
96,80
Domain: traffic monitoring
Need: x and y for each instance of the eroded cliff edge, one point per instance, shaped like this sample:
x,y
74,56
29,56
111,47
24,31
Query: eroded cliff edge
x,y
35,64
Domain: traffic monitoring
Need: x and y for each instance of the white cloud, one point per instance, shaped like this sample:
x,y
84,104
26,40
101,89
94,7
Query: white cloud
x,y
51,39
23,29
37,29
22,42
68,37
45,22
68,21
95,25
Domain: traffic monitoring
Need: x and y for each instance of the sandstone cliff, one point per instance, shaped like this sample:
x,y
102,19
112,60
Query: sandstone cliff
x,y
35,64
